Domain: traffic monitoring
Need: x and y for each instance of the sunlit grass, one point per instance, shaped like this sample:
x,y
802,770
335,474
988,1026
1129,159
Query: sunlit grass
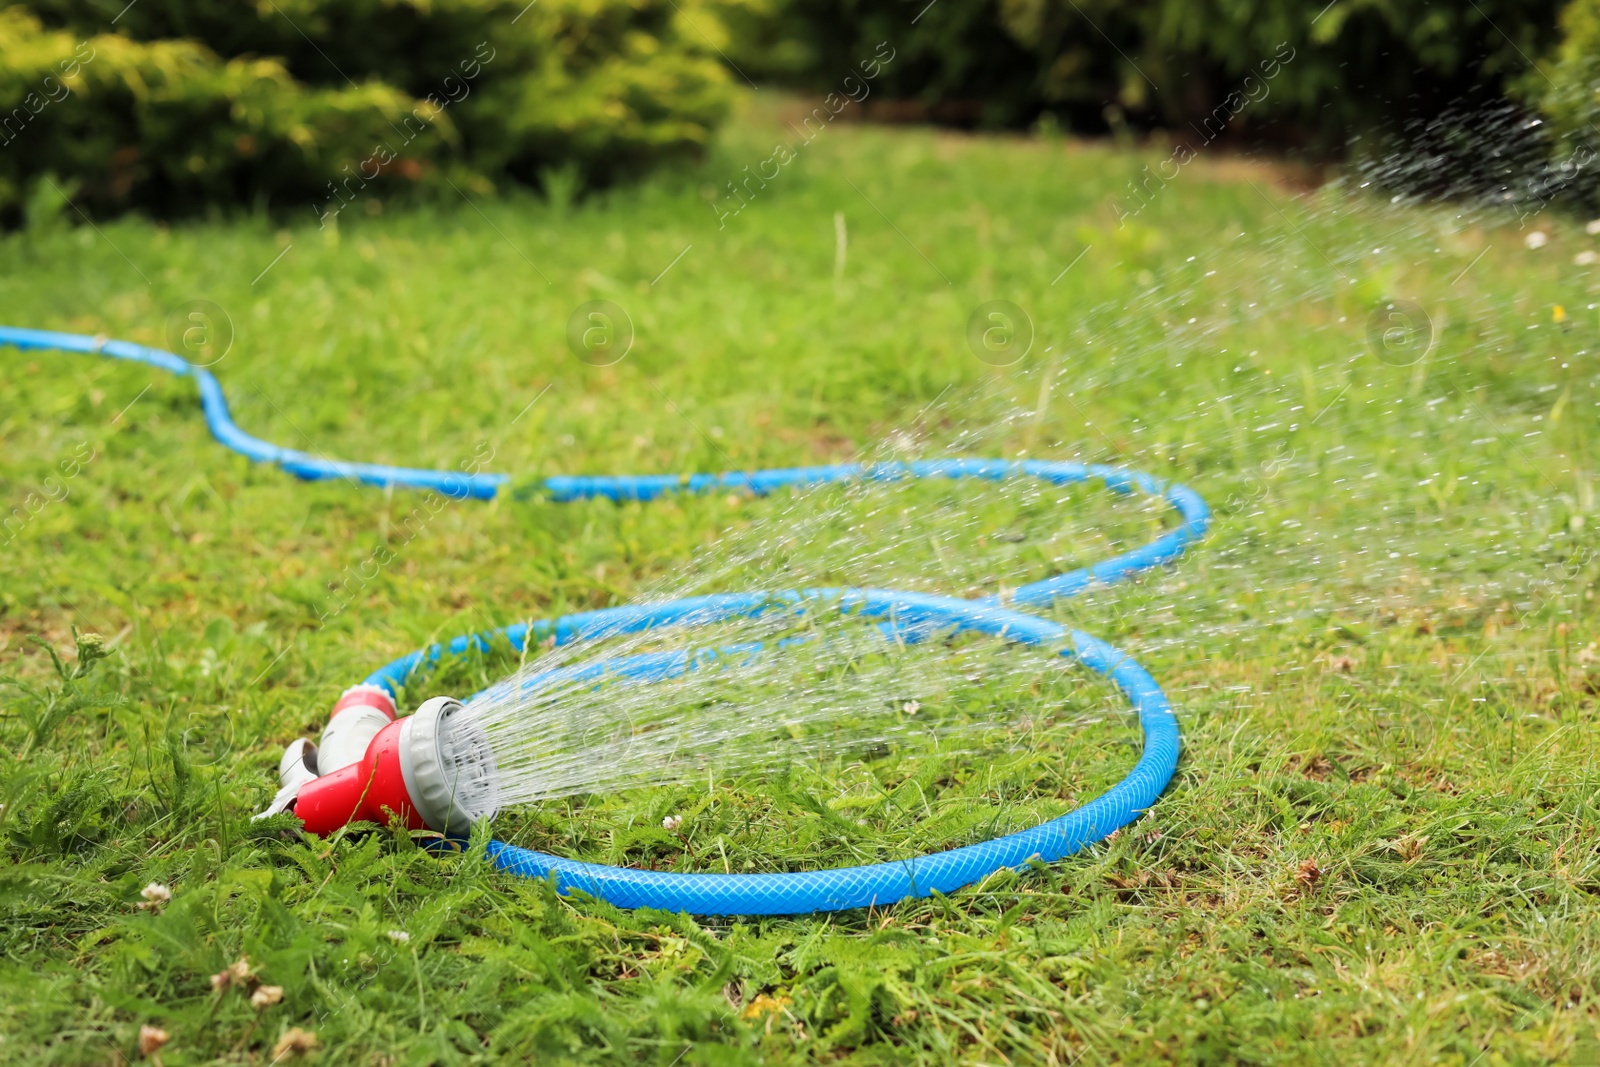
x,y
1381,843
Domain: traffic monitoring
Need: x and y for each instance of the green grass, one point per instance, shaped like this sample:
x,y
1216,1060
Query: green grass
x,y
1380,846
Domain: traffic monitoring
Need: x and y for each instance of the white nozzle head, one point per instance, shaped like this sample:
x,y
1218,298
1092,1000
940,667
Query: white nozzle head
x,y
449,771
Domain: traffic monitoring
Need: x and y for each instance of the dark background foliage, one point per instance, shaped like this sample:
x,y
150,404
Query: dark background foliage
x,y
1169,63
196,103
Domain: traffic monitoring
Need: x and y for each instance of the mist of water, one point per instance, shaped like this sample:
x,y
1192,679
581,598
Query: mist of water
x,y
1328,530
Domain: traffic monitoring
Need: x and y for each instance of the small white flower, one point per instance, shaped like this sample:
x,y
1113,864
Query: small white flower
x,y
238,973
294,1041
399,937
671,823
1536,239
1593,227
156,894
911,707
1586,259
266,996
151,1038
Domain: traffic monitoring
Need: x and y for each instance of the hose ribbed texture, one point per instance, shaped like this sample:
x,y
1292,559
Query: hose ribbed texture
x,y
908,616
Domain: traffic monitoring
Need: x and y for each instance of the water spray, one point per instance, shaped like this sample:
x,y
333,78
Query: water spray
x,y
438,769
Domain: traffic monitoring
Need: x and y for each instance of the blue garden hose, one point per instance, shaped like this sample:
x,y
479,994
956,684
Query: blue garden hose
x,y
910,615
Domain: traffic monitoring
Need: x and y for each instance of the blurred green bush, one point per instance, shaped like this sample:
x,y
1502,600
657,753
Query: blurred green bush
x,y
300,105
1341,68
1566,83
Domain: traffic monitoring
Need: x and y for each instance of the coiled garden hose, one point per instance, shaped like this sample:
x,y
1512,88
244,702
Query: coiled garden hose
x,y
408,745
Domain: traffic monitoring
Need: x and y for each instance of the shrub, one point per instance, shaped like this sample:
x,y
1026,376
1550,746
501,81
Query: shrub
x,y
1566,84
1354,65
303,103
958,63
166,125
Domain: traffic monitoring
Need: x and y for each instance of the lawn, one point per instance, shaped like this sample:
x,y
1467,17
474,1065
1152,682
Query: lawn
x,y
1381,843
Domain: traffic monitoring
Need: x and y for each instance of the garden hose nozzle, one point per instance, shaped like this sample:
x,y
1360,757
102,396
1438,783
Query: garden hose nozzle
x,y
431,770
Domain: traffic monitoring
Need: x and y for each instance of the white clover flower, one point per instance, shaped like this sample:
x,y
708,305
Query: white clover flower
x,y
155,894
1536,239
237,973
266,996
1593,227
671,823
399,937
1586,258
151,1038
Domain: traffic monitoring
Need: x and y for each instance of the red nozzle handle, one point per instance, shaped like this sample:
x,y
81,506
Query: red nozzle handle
x,y
372,789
